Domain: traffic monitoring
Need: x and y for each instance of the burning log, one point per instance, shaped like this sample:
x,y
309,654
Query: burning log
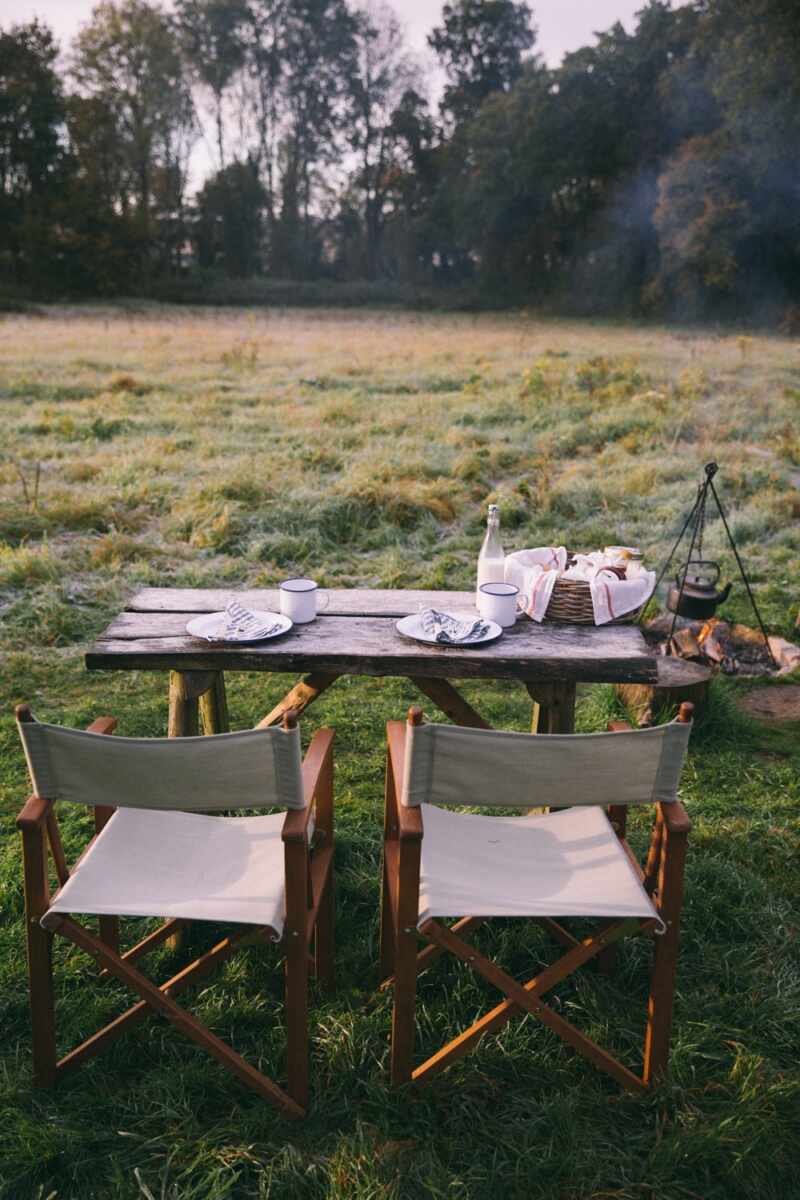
x,y
684,644
732,648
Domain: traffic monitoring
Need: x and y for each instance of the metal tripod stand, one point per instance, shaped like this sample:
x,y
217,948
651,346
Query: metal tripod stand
x,y
696,519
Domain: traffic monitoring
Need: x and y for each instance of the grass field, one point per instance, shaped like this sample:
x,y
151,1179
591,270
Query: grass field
x,y
169,447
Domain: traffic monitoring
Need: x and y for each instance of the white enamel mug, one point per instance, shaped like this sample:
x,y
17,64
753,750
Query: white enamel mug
x,y
500,602
300,600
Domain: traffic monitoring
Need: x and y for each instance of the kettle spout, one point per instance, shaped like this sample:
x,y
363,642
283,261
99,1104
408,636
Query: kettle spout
x,y
722,596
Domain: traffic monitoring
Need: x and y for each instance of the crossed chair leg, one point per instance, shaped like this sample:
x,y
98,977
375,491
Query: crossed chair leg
x,y
160,1000
310,921
520,999
401,962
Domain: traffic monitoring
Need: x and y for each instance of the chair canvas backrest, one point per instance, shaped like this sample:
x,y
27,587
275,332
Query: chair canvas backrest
x,y
258,768
453,765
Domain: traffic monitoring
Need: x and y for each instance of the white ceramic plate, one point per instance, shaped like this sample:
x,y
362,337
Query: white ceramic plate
x,y
210,627
411,627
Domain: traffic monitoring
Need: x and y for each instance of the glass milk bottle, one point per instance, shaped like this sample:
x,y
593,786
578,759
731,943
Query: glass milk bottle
x,y
491,560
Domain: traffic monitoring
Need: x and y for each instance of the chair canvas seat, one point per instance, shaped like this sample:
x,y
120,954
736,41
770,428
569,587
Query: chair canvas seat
x,y
565,863
148,863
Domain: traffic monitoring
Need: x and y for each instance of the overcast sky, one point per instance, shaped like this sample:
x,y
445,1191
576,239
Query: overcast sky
x,y
563,24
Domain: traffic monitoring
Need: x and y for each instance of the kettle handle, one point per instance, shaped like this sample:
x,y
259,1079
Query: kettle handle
x,y
709,568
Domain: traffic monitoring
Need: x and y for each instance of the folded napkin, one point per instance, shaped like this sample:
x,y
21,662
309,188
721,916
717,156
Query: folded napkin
x,y
535,573
451,630
242,625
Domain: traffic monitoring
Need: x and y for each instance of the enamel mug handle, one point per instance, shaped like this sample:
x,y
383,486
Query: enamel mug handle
x,y
327,596
522,603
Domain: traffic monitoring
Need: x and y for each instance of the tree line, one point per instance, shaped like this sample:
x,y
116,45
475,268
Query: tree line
x,y
655,171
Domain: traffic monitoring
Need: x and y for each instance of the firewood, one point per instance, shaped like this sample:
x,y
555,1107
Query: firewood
x,y
685,645
786,654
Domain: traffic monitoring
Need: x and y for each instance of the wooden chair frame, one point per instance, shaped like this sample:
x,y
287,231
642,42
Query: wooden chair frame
x,y
400,961
309,917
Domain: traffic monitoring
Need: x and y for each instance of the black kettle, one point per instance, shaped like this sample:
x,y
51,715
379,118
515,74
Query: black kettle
x,y
693,594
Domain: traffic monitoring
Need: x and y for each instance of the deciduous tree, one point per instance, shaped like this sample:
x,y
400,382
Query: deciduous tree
x,y
212,33
384,73
32,149
481,45
129,58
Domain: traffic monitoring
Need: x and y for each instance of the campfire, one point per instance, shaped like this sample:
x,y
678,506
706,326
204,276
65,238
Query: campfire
x,y
690,629
732,648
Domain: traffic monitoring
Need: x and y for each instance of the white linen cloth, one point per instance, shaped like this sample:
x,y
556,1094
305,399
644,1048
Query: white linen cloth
x,y
535,573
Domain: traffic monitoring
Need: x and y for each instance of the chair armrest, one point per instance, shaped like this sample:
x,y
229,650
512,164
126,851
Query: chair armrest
x,y
34,812
102,725
675,817
295,824
409,822
409,819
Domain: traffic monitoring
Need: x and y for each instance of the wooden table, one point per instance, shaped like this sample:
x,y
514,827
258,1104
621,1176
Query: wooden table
x,y
356,636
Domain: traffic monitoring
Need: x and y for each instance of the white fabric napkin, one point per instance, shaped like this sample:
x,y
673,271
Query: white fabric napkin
x,y
243,625
612,597
535,572
452,630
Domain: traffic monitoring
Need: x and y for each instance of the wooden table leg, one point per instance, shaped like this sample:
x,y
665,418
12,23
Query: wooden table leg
x,y
553,707
214,707
451,702
301,695
185,690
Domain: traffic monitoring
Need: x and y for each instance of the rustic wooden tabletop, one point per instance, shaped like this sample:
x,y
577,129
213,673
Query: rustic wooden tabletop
x,y
356,635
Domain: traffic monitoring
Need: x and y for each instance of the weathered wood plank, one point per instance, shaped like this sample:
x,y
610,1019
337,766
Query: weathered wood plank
x,y
302,694
378,634
677,680
677,672
348,602
135,625
371,646
451,702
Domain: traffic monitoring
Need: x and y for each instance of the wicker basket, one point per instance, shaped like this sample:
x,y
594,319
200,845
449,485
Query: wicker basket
x,y
571,602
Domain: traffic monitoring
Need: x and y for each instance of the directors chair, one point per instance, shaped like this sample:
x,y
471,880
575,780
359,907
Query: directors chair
x,y
572,862
158,853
